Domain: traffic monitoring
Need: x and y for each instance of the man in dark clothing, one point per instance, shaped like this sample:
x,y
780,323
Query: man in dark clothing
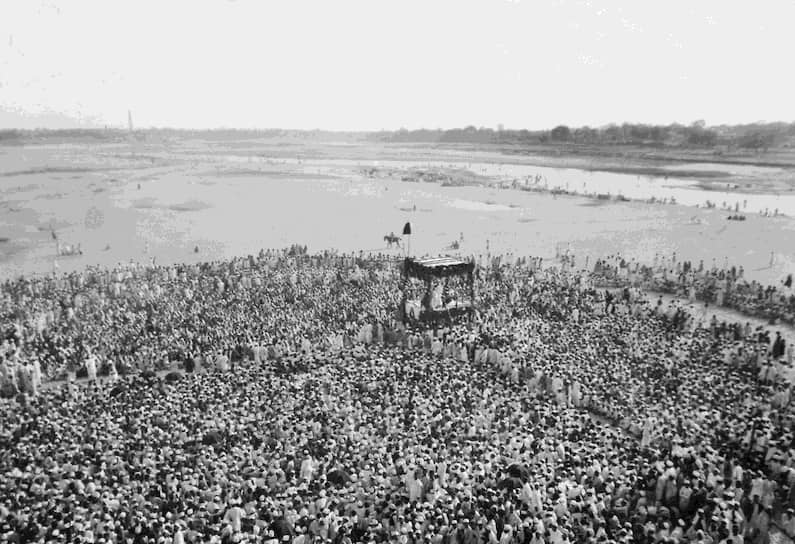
x,y
281,527
190,364
699,497
778,346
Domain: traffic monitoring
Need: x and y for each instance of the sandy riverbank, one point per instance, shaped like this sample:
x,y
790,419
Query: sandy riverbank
x,y
162,200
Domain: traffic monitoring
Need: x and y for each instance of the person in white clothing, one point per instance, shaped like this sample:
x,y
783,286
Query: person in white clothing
x,y
91,367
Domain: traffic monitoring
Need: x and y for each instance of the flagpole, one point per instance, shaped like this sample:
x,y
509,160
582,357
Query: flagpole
x,y
407,232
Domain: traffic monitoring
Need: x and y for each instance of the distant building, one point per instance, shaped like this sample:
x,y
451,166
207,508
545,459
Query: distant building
x,y
500,127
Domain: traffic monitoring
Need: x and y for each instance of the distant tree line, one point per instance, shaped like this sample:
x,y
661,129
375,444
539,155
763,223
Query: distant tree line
x,y
757,136
754,136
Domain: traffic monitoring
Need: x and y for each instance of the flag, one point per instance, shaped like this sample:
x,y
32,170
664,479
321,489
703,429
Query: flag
x,y
407,229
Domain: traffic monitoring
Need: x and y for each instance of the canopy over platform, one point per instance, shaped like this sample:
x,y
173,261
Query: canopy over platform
x,y
435,308
440,267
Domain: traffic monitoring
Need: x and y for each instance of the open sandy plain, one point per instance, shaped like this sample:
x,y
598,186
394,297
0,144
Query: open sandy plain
x,y
160,199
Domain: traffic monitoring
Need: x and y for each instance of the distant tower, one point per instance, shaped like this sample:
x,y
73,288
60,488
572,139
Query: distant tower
x,y
131,135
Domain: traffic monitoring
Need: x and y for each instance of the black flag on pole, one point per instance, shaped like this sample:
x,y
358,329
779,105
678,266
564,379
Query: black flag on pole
x,y
407,229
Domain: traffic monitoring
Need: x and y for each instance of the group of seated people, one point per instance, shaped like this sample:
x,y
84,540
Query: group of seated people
x,y
305,412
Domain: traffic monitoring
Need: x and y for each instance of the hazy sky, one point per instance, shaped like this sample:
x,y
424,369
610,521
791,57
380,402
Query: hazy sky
x,y
372,64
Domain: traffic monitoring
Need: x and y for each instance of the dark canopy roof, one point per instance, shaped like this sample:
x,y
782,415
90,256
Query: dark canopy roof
x,y
440,267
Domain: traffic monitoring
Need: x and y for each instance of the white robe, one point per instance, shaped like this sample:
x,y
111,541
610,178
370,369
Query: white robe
x,y
307,468
91,368
113,374
37,374
222,363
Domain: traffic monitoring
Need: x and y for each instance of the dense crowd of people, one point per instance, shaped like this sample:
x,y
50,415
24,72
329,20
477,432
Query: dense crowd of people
x,y
722,286
308,413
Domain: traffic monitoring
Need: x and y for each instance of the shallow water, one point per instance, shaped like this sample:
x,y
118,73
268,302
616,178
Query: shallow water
x,y
635,187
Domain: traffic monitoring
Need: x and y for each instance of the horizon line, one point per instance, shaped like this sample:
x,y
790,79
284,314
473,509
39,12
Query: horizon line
x,y
121,128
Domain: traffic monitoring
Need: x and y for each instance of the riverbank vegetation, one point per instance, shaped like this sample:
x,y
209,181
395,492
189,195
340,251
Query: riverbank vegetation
x,y
758,136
